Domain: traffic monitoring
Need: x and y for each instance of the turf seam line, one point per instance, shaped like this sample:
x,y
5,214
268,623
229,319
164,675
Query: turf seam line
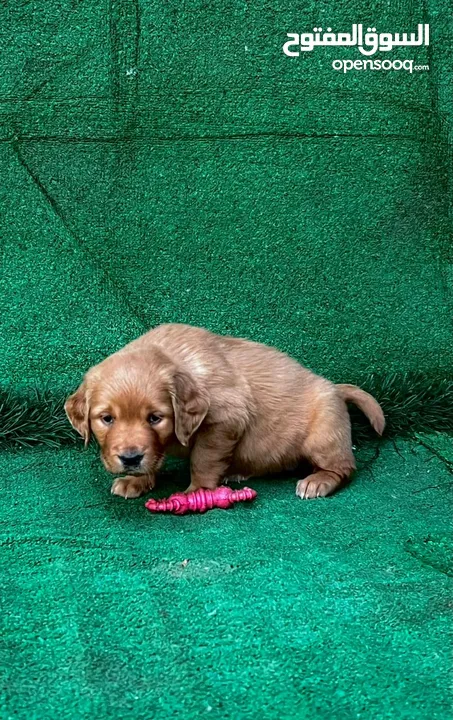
x,y
114,287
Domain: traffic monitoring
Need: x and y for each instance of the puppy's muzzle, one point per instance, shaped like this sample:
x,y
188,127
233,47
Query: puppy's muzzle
x,y
131,459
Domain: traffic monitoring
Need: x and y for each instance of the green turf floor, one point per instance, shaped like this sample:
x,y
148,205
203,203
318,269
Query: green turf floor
x,y
337,608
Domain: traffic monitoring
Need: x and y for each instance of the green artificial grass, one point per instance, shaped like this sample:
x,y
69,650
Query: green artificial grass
x,y
170,163
166,162
337,608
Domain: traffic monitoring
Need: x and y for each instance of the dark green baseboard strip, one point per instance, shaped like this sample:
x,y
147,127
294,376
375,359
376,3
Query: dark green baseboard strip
x,y
412,403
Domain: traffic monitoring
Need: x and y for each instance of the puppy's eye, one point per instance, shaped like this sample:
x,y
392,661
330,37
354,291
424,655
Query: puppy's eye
x,y
154,419
107,419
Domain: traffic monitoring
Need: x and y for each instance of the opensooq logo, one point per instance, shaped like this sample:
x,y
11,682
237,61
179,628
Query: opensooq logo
x,y
367,44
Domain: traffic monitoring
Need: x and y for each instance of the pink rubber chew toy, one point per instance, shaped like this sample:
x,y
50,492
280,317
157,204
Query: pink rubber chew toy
x,y
201,500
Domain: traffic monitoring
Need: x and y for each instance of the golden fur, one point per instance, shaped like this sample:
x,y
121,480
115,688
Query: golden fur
x,y
235,407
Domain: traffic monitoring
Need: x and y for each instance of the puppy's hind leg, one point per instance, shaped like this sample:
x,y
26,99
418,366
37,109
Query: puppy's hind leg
x,y
328,448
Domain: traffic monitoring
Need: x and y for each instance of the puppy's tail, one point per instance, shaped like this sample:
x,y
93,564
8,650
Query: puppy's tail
x,y
367,404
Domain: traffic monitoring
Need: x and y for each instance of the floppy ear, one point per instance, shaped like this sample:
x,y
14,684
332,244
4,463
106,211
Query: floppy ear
x,y
190,405
77,409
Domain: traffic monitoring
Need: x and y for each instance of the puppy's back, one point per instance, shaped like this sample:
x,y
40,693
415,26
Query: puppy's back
x,y
204,350
270,378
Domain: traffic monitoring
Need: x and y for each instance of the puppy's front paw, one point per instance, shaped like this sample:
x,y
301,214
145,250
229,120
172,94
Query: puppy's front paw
x,y
132,486
316,485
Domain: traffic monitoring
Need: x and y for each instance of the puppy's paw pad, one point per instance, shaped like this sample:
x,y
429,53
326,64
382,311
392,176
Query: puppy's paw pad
x,y
128,487
308,489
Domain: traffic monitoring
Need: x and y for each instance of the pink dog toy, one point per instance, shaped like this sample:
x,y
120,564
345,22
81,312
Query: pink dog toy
x,y
201,500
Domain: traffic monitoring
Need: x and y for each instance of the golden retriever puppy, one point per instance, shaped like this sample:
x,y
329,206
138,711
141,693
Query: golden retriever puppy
x,y
235,407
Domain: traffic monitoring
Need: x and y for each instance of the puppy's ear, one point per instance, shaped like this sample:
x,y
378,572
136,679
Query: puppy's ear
x,y
77,409
190,405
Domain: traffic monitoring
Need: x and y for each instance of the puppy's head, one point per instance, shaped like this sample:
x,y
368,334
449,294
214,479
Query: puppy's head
x,y
136,404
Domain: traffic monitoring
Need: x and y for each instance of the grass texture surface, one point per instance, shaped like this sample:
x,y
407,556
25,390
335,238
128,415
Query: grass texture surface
x,y
338,608
167,162
170,163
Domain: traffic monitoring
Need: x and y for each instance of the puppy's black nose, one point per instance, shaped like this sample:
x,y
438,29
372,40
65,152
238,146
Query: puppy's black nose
x,y
131,459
